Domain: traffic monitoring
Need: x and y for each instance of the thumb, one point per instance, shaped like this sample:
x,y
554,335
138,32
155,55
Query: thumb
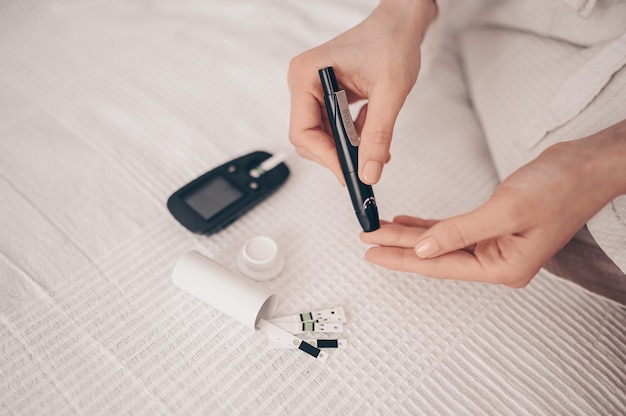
x,y
382,111
456,233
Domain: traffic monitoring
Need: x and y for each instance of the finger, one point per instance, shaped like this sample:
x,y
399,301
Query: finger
x,y
382,111
393,235
488,221
458,265
414,221
307,133
336,170
360,119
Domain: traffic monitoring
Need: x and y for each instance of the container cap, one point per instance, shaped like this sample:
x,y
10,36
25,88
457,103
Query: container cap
x,y
260,259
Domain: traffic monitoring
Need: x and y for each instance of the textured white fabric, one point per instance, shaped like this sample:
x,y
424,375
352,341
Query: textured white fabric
x,y
106,107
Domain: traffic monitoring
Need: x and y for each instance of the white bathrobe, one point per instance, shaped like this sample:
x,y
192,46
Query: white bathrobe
x,y
540,72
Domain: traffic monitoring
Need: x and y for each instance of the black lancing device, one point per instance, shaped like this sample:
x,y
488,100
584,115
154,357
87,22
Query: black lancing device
x,y
347,142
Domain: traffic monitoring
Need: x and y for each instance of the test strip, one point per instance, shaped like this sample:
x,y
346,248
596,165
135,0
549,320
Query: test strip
x,y
328,343
278,338
300,327
318,343
335,314
267,165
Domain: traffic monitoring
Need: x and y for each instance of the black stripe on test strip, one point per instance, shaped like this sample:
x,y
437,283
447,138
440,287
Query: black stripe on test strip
x,y
327,343
309,349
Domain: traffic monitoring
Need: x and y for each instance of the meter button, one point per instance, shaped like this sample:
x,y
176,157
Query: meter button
x,y
253,185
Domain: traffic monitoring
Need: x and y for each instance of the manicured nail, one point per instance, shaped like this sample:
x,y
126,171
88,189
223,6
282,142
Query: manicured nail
x,y
427,248
372,171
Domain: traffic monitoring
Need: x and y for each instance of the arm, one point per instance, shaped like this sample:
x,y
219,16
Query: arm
x,y
530,216
377,60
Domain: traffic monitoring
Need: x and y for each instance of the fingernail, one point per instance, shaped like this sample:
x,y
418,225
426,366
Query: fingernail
x,y
427,248
372,171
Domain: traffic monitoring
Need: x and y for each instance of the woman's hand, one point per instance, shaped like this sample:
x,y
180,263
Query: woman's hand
x,y
530,216
377,60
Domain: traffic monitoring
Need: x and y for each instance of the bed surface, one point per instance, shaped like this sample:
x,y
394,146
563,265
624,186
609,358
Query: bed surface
x,y
107,107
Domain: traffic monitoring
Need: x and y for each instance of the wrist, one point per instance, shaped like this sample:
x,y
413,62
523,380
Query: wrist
x,y
612,151
414,16
605,154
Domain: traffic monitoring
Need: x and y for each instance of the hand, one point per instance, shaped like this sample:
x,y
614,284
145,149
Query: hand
x,y
530,216
378,60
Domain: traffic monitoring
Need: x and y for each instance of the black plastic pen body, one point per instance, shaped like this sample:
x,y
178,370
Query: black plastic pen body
x,y
362,195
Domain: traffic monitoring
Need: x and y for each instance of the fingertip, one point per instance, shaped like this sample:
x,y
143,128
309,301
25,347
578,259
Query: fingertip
x,y
370,254
427,248
366,237
372,171
372,237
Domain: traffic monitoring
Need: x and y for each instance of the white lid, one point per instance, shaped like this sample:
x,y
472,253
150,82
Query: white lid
x,y
260,259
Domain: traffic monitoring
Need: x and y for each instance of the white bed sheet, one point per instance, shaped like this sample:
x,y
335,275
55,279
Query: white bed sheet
x,y
107,107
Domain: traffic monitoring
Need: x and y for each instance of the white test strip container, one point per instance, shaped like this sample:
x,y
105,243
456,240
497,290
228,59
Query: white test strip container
x,y
235,295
